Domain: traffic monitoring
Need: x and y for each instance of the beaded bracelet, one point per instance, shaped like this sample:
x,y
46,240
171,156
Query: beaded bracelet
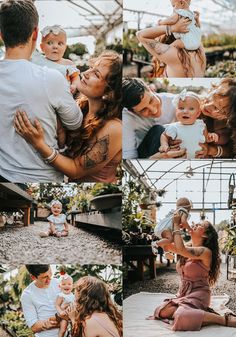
x,y
52,156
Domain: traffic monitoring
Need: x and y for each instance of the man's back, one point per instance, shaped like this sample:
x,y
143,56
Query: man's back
x,y
40,92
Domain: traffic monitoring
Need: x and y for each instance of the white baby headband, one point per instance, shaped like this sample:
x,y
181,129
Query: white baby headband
x,y
182,96
56,29
56,202
65,277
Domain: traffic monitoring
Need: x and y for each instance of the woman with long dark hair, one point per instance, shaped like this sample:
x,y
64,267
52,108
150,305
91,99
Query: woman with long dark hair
x,y
219,114
94,314
94,150
199,268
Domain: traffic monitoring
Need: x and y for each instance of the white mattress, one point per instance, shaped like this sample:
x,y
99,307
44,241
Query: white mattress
x,y
139,306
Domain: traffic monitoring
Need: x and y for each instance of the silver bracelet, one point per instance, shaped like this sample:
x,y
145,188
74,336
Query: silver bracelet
x,y
219,151
52,156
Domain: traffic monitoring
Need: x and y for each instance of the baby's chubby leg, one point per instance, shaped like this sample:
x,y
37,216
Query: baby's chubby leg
x,y
63,328
47,233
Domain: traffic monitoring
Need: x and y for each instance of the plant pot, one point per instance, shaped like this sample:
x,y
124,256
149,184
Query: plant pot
x,y
107,201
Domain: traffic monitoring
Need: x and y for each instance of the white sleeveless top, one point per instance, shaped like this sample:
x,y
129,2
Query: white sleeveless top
x,y
167,222
68,298
191,135
192,39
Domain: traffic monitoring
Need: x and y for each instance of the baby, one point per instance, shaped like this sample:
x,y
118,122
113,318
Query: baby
x,y
53,45
164,228
190,130
58,225
64,299
192,39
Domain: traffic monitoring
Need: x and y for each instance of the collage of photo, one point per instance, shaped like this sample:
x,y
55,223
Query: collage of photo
x,y
117,168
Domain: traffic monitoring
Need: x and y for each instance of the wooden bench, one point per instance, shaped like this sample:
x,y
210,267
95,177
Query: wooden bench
x,y
142,254
13,198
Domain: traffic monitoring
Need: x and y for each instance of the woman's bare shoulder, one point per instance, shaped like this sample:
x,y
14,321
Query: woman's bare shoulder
x,y
113,126
91,325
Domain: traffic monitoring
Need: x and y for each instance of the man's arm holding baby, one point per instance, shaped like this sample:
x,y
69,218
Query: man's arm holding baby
x,y
164,140
48,324
31,316
62,101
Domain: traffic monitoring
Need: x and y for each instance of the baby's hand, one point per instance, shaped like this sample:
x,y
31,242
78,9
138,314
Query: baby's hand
x,y
164,148
212,137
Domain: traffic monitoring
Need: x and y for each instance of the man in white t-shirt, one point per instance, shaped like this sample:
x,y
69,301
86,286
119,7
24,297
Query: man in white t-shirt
x,y
38,301
42,92
143,117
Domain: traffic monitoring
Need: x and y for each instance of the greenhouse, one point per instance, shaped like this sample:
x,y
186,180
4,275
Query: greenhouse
x,y
218,34
151,191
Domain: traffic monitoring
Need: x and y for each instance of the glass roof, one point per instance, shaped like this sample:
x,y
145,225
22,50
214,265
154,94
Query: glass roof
x,y
204,182
85,21
211,18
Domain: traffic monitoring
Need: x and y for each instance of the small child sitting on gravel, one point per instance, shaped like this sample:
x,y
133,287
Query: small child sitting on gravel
x,y
57,221
64,299
164,228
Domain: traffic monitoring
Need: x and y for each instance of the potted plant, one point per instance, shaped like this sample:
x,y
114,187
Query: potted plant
x,y
106,196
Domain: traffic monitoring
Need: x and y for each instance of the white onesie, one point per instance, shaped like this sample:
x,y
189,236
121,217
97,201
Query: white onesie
x,y
68,298
192,39
190,135
167,222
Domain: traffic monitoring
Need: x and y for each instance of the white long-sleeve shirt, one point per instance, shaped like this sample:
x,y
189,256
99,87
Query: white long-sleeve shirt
x,y
43,93
39,304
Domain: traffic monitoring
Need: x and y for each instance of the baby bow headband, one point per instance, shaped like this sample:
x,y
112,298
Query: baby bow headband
x,y
182,96
56,202
56,29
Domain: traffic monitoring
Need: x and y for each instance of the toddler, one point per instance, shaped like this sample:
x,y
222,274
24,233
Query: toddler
x,y
53,45
190,130
64,299
58,225
192,39
164,228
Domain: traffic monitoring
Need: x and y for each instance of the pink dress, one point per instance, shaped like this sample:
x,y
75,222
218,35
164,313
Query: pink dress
x,y
193,297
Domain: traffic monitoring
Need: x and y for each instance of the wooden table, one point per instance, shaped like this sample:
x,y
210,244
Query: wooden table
x,y
13,198
144,257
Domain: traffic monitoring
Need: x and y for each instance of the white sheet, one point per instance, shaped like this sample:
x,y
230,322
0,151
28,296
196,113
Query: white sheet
x,y
139,306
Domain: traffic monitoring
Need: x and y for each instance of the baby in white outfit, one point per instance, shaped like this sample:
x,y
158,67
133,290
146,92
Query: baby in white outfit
x,y
64,299
57,220
190,130
192,39
164,228
53,45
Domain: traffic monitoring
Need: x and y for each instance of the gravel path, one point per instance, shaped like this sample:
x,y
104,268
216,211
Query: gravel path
x,y
22,245
167,281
